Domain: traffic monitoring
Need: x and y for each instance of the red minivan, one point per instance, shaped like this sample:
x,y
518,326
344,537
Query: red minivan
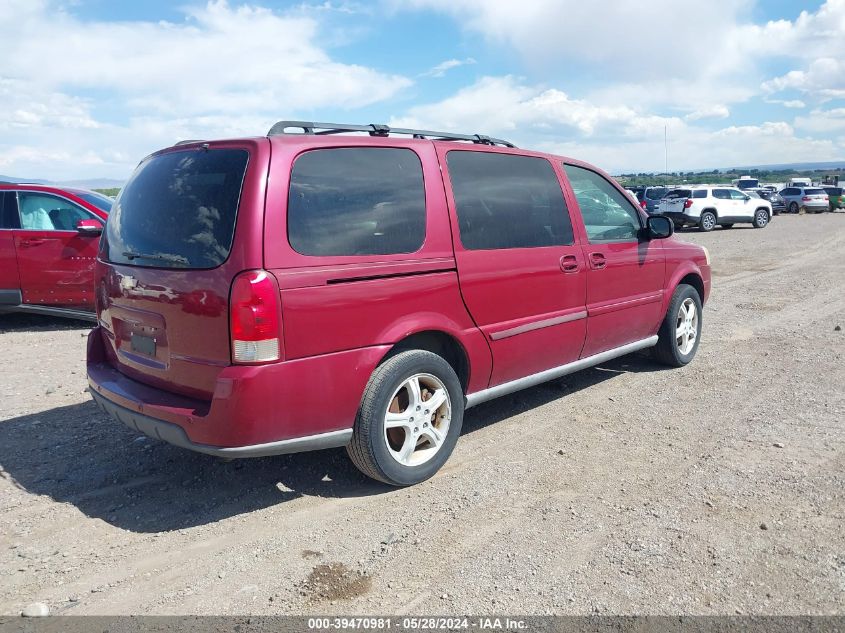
x,y
315,288
48,248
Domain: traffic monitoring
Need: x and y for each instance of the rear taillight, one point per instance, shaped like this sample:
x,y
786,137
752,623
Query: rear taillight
x,y
806,199
255,318
643,203
687,203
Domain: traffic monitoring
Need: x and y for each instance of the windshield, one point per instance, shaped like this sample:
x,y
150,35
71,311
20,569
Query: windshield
x,y
813,192
178,210
103,203
748,183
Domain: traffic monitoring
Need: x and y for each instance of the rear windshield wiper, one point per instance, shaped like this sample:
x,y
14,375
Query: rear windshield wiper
x,y
175,259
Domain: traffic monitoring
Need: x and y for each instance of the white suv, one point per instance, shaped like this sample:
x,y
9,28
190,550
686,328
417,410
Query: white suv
x,y
706,207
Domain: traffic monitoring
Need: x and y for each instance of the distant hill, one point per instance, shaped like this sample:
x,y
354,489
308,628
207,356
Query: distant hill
x,y
836,164
34,181
94,183
87,183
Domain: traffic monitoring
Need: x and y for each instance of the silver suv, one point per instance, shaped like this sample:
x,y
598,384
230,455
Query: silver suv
x,y
814,199
709,206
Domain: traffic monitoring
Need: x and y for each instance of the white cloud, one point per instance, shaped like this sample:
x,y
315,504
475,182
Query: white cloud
x,y
222,68
787,103
824,78
623,38
505,104
717,111
616,137
815,40
443,67
823,122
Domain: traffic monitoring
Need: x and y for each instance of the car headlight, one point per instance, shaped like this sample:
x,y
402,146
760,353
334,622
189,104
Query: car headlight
x,y
706,254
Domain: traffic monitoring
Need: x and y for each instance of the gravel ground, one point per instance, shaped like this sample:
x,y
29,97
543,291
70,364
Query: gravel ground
x,y
718,488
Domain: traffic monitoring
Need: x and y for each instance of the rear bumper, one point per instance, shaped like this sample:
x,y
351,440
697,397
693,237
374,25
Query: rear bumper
x,y
175,434
260,410
812,206
681,218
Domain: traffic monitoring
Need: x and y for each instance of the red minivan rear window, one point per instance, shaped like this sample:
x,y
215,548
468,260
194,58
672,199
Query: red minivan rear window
x,y
178,210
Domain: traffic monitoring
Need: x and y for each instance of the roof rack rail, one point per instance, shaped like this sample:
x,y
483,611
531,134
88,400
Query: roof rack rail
x,y
376,129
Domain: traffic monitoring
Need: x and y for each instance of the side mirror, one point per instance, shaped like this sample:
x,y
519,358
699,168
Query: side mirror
x,y
659,227
89,228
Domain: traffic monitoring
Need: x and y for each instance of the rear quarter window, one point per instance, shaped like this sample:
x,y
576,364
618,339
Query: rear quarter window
x,y
699,193
178,210
356,201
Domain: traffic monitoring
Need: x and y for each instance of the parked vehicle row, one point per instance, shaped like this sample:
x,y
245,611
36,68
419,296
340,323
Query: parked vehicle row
x,y
708,207
798,193
363,291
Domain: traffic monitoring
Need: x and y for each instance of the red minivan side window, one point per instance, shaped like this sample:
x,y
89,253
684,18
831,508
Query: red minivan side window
x,y
507,201
348,201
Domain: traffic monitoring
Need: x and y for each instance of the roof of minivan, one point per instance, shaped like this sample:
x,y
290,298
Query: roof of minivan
x,y
356,140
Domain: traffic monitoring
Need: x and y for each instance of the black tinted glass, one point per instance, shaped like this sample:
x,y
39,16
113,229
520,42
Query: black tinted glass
x,y
357,201
678,193
814,192
699,193
100,201
656,193
178,210
506,201
9,218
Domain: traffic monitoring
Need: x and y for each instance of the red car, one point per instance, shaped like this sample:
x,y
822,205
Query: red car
x,y
49,238
362,291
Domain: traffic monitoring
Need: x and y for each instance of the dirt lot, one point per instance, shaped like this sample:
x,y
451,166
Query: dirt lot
x,y
717,488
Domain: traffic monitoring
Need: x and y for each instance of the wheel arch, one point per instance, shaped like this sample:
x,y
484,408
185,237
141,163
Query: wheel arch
x,y
688,274
437,342
694,280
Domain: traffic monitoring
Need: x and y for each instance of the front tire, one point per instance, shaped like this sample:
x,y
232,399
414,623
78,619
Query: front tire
x,y
680,331
409,419
707,221
761,218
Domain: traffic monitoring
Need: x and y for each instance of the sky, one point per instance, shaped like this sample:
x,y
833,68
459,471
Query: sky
x,y
90,87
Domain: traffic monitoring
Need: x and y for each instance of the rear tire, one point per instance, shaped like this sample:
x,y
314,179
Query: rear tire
x,y
707,221
793,207
682,322
396,438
